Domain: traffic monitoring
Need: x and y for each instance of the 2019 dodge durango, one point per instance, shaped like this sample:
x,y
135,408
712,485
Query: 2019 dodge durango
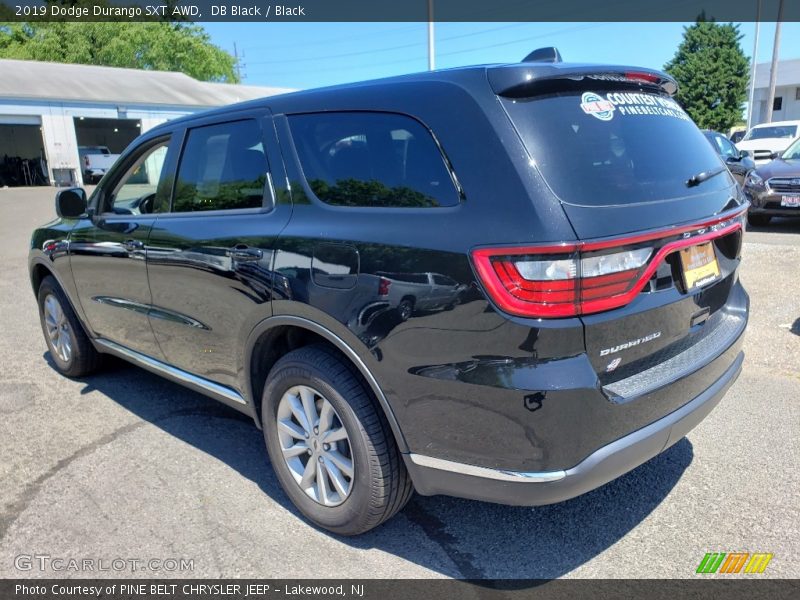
x,y
592,231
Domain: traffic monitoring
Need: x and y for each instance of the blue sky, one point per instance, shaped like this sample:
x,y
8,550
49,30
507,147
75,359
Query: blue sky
x,y
305,55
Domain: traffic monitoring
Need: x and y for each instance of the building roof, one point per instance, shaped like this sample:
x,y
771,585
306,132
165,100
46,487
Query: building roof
x,y
788,73
32,80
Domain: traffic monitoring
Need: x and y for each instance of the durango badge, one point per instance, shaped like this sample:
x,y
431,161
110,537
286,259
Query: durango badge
x,y
597,106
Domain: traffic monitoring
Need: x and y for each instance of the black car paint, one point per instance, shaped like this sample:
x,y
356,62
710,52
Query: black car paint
x,y
471,385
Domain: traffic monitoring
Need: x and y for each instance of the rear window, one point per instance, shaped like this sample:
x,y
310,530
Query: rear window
x,y
614,148
777,131
372,159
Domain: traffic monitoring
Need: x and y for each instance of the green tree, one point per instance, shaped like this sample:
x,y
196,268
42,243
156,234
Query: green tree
x,y
712,74
155,45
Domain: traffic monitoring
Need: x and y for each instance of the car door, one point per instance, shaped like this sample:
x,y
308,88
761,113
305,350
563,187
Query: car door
x,y
210,264
108,249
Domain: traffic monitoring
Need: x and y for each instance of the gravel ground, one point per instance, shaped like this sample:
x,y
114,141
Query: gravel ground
x,y
127,465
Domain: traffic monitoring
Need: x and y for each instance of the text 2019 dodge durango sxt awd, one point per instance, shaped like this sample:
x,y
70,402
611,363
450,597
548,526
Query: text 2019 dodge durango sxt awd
x,y
512,283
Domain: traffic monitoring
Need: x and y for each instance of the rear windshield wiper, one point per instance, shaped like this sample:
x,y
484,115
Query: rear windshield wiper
x,y
704,176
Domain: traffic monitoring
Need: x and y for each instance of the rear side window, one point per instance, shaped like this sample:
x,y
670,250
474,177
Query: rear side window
x,y
372,159
600,148
223,167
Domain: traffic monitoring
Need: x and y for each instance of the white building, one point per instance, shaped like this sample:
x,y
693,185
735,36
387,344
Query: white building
x,y
47,110
787,92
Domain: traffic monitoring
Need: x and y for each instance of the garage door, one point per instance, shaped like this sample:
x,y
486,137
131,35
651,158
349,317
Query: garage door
x,y
22,156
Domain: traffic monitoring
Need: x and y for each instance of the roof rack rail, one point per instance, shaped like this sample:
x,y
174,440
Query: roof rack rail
x,y
550,54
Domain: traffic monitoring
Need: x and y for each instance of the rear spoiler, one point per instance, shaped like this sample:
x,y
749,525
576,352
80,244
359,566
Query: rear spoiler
x,y
529,79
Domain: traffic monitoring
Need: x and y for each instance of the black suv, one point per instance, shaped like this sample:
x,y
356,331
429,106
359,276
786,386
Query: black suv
x,y
586,235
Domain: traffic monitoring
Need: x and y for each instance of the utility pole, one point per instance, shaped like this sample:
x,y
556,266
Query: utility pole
x,y
751,103
236,62
431,50
773,73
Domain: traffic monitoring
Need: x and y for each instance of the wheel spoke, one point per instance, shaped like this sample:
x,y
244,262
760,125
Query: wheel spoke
x,y
322,483
299,413
308,474
292,429
309,406
325,417
342,487
66,344
335,435
295,450
60,346
344,463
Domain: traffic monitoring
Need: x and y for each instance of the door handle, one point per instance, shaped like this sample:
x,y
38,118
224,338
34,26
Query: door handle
x,y
133,245
242,253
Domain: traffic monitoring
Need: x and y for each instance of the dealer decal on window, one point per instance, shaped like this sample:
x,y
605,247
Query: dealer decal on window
x,y
597,106
630,104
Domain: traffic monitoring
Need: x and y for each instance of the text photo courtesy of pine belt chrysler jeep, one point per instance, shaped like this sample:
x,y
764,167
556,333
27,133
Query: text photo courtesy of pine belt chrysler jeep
x,y
516,311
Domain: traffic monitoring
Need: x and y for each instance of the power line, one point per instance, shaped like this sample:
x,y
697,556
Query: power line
x,y
451,53
340,38
391,48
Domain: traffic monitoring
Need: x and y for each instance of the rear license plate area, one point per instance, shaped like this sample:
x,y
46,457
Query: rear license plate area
x,y
699,265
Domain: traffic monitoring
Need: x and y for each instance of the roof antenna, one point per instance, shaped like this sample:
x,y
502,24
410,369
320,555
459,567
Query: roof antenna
x,y
549,54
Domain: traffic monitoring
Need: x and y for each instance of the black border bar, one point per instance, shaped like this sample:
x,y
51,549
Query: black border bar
x,y
396,10
747,587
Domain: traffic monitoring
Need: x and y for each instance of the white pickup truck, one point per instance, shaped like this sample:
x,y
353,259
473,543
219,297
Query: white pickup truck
x,y
95,161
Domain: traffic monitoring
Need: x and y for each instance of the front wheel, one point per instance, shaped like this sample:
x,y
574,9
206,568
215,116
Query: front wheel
x,y
331,447
70,348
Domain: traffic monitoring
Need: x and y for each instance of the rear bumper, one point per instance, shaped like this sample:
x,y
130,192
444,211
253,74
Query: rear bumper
x,y
436,476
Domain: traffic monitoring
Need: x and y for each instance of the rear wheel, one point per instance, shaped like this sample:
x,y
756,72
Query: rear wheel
x,y
70,348
405,309
758,220
330,446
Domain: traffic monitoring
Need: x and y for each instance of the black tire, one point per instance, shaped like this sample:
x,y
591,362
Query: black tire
x,y
83,359
380,486
758,220
405,309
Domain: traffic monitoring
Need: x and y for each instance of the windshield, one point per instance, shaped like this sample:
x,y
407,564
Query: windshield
x,y
775,131
614,148
793,151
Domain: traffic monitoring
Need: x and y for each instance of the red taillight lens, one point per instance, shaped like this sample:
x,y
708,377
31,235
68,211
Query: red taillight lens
x,y
383,286
585,277
556,285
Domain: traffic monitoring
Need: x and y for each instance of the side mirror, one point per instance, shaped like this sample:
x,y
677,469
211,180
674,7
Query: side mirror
x,y
71,203
745,153
774,155
734,159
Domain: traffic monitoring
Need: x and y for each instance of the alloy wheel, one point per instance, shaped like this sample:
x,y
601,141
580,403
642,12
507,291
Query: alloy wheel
x,y
59,335
315,445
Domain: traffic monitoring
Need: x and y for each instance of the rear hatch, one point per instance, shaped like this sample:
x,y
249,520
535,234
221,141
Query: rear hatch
x,y
657,215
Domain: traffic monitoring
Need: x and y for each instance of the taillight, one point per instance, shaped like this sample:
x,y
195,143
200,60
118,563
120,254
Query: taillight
x,y
571,279
383,286
558,281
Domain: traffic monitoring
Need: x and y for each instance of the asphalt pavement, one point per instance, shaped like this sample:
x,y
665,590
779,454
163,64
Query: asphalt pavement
x,y
125,465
